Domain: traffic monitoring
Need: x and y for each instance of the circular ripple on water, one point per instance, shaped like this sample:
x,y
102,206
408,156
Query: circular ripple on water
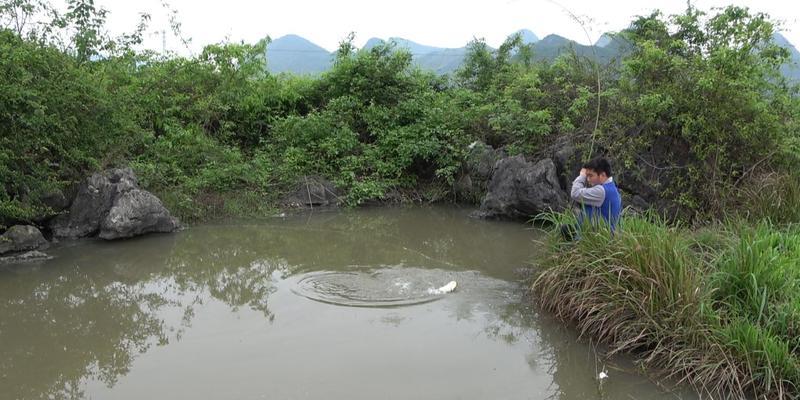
x,y
383,288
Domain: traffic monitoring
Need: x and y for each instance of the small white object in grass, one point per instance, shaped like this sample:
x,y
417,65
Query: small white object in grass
x,y
451,286
602,375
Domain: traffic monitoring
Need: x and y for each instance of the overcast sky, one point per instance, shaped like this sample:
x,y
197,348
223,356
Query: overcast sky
x,y
441,23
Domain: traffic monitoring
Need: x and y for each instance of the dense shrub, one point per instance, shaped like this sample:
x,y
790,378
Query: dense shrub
x,y
217,124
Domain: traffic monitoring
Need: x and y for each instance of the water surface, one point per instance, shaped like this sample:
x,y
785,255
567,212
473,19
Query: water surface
x,y
324,305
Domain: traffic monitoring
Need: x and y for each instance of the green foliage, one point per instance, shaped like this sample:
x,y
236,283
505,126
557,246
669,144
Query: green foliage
x,y
711,84
719,307
379,125
509,100
773,196
88,22
219,124
226,90
56,122
190,171
758,279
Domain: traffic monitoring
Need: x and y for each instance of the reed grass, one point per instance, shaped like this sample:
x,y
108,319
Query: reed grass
x,y
717,308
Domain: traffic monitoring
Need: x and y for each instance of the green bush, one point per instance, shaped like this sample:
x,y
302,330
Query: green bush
x,y
708,86
58,120
719,307
712,85
193,174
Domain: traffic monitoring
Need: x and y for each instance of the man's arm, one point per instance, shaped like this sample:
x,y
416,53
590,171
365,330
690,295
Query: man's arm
x,y
593,196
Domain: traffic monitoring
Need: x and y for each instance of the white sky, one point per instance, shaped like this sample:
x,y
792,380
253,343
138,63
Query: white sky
x,y
441,23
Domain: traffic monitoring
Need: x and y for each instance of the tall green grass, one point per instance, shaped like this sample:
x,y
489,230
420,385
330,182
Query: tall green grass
x,y
773,196
718,308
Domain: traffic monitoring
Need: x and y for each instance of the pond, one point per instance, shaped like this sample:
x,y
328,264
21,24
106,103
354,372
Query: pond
x,y
317,305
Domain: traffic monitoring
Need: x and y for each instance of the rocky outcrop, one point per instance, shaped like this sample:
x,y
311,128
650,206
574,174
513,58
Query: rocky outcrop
x,y
20,238
135,211
640,181
520,189
55,200
312,191
476,170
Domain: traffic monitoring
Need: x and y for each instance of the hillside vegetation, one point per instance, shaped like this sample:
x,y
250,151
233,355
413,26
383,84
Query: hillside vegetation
x,y
218,126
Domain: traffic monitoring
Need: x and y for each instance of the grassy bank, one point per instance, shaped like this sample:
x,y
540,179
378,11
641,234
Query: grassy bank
x,y
716,307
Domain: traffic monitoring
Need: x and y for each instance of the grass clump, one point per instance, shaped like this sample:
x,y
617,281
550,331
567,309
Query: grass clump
x,y
717,308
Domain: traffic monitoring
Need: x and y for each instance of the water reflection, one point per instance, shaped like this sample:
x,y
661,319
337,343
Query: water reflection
x,y
57,332
110,319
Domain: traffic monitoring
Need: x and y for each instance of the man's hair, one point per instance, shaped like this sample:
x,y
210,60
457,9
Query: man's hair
x,y
598,165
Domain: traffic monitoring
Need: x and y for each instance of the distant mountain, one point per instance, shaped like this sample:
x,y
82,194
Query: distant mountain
x,y
372,42
604,40
414,48
791,69
437,59
292,53
528,37
443,61
551,46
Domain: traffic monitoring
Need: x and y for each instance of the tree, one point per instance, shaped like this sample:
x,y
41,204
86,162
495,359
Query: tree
x,y
711,85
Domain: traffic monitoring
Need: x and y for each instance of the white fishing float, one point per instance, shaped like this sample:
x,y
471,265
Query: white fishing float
x,y
449,287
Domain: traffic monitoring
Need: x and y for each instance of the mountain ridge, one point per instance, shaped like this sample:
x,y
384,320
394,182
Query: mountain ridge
x,y
295,54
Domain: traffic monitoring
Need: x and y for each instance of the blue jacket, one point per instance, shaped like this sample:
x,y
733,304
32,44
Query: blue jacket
x,y
601,201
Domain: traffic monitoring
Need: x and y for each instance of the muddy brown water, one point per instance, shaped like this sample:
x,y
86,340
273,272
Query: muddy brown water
x,y
323,305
